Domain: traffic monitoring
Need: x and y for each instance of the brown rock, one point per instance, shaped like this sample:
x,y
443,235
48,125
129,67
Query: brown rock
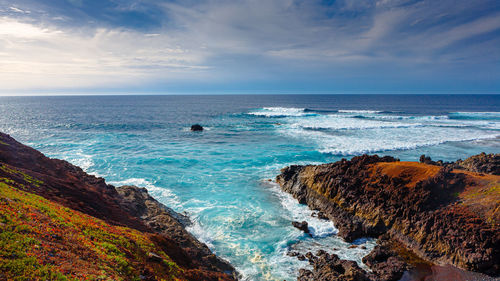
x,y
441,214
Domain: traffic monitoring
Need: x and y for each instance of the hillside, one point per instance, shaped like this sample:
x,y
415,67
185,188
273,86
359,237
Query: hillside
x,y
59,223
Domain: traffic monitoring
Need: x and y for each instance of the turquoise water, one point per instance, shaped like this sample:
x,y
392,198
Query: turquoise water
x,y
220,176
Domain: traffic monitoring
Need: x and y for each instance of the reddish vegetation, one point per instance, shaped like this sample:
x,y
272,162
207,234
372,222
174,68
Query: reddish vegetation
x,y
443,216
64,183
96,216
411,172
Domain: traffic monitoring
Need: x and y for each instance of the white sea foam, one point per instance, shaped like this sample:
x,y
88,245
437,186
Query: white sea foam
x,y
337,122
200,233
280,112
323,232
477,113
299,212
345,134
409,117
359,111
80,159
385,139
162,194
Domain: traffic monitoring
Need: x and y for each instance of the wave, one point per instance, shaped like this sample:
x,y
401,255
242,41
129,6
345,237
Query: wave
x,y
361,111
320,110
317,227
163,195
339,123
475,115
280,112
386,139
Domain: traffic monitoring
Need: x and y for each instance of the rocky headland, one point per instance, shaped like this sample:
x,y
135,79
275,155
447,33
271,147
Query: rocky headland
x,y
434,217
59,223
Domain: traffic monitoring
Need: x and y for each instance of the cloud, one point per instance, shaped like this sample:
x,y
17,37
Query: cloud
x,y
17,10
102,44
45,57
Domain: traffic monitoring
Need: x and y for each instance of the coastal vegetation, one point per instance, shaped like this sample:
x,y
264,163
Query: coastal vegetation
x,y
59,223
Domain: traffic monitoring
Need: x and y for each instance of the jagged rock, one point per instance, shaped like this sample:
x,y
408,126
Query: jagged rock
x,y
327,267
293,254
427,160
385,262
444,215
481,163
301,225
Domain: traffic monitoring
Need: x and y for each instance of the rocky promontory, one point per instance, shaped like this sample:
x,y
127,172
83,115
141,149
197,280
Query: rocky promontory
x,y
427,213
59,223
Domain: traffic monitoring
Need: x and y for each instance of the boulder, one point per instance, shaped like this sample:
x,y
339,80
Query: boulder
x,y
196,127
301,225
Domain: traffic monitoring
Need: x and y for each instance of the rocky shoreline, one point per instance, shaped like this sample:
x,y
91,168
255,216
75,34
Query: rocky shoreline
x,y
126,208
426,215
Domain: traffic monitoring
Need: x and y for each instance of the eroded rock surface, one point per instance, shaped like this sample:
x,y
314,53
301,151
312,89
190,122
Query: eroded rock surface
x,y
442,215
482,163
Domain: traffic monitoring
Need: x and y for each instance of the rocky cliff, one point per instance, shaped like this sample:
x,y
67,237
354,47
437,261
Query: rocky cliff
x,y
433,213
59,223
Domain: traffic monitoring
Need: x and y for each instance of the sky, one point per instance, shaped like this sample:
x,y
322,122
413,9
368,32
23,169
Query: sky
x,y
249,46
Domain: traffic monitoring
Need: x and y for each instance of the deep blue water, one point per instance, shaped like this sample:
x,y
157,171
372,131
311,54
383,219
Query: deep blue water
x,y
219,176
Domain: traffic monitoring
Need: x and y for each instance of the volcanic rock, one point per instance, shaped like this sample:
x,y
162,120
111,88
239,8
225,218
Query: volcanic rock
x,y
327,267
481,163
441,215
301,225
196,127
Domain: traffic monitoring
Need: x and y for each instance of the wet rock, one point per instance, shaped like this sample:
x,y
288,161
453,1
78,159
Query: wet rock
x,y
327,267
196,127
319,215
301,225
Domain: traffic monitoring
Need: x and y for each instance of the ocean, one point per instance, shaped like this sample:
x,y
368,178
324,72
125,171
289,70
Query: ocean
x,y
220,177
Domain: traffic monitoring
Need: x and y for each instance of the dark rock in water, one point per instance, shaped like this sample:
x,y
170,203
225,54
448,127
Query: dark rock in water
x,y
196,127
301,225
